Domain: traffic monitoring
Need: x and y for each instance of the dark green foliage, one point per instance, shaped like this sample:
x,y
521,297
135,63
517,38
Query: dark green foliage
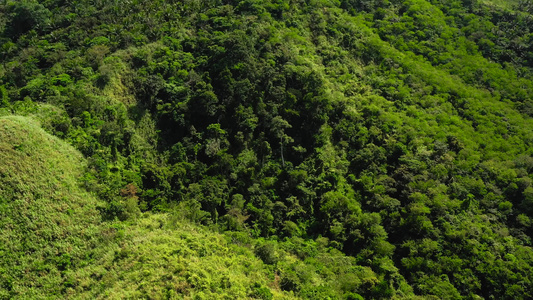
x,y
369,149
267,253
260,292
25,16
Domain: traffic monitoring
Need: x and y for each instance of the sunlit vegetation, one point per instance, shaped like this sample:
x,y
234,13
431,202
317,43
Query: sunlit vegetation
x,y
266,149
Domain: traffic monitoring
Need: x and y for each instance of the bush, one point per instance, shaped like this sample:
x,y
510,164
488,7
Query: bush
x,y
25,16
267,253
261,292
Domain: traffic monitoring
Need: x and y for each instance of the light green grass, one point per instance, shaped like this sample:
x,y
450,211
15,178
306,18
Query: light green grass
x,y
48,223
158,259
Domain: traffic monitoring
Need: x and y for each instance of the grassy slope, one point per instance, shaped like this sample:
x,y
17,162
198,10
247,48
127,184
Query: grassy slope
x,y
161,256
158,258
47,222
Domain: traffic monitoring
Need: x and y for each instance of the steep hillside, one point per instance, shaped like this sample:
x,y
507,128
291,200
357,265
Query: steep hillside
x,y
48,223
54,244
395,134
164,257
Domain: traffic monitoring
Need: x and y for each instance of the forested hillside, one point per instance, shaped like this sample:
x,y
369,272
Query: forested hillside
x,y
266,149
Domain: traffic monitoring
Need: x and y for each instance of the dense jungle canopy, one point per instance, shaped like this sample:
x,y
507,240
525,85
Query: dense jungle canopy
x,y
278,149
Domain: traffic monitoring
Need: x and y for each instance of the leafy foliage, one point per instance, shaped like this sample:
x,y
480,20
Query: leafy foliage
x,y
387,142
